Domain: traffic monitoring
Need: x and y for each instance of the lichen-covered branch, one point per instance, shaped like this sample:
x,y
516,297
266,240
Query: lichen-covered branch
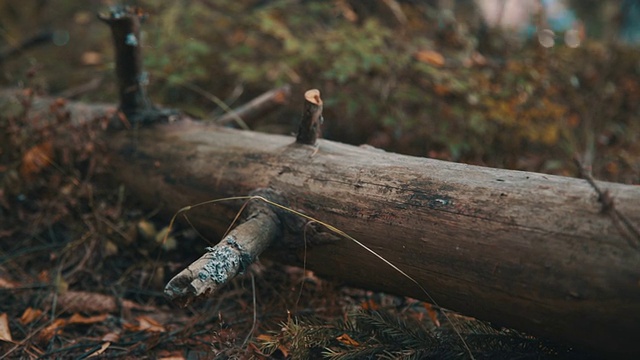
x,y
228,258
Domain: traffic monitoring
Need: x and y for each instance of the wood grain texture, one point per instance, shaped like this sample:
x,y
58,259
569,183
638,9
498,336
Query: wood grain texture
x,y
520,249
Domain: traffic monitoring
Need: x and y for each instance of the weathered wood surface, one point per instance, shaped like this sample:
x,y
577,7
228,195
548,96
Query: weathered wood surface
x,y
525,250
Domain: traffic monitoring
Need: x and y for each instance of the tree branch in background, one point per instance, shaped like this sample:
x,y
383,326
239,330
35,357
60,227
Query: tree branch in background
x,y
258,107
43,37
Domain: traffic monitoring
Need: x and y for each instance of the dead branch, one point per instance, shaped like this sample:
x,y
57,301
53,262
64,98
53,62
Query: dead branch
x,y
230,256
258,107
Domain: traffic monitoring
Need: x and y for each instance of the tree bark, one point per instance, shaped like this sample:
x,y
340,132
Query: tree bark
x,y
530,251
524,250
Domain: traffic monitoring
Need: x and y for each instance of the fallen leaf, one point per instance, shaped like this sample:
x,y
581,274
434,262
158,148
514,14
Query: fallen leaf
x,y
148,324
101,350
347,340
370,305
29,315
5,331
7,284
79,319
111,337
172,357
433,314
36,159
430,57
54,328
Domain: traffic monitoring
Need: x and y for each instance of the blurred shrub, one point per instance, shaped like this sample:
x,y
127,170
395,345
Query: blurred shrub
x,y
404,76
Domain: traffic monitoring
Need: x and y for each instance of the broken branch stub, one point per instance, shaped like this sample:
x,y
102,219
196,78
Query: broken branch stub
x,y
309,129
231,256
125,22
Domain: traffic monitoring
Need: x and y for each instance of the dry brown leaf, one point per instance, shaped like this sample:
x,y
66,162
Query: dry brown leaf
x,y
111,337
79,319
433,314
55,328
5,331
146,323
36,159
347,340
176,355
7,284
101,350
430,57
347,11
29,315
370,304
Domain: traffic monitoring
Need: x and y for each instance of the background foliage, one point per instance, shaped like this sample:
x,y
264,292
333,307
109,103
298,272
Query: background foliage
x,y
406,76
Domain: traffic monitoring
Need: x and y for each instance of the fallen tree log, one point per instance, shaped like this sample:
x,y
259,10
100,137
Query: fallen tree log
x,y
530,251
525,250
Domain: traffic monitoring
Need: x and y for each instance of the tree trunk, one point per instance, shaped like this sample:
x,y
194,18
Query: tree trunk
x,y
530,251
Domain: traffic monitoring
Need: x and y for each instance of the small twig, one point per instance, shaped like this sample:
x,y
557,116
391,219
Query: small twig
x,y
622,222
216,100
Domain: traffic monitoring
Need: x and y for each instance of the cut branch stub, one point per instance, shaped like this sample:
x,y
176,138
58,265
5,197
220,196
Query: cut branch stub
x,y
309,129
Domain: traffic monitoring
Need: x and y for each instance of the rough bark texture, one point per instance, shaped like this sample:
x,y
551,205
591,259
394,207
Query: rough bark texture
x,y
520,249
